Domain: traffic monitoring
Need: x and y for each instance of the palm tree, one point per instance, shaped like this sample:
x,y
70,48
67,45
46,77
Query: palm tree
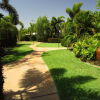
x,y
12,11
56,25
15,19
76,8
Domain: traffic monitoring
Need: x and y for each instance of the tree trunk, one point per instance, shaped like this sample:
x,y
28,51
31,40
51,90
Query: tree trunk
x,y
1,81
1,78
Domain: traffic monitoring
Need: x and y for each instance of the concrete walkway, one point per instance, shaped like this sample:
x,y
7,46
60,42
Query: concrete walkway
x,y
29,78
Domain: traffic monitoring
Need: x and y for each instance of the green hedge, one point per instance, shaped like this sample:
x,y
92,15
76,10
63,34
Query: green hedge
x,y
8,34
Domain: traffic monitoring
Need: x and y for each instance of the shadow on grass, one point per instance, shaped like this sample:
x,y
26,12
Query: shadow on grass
x,y
21,44
68,87
14,54
34,84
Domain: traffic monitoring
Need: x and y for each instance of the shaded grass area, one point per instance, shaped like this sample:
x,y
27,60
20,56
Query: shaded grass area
x,y
18,52
75,80
49,45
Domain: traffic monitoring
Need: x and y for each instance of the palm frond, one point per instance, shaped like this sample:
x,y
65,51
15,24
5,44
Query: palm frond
x,y
70,12
21,24
60,19
5,1
12,11
76,7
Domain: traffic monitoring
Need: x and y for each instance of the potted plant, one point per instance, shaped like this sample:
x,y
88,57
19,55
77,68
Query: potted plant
x,y
98,54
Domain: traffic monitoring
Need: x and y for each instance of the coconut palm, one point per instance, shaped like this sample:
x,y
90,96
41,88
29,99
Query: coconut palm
x,y
56,25
1,76
12,11
76,8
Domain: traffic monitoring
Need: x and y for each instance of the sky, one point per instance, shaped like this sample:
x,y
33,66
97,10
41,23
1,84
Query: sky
x,y
30,10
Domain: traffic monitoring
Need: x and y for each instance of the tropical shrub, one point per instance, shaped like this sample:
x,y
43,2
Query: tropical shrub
x,y
97,36
68,34
8,34
85,49
68,28
68,40
96,23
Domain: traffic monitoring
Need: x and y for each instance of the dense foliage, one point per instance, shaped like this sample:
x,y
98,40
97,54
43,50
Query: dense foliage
x,y
55,26
27,34
8,34
42,29
68,40
81,31
86,48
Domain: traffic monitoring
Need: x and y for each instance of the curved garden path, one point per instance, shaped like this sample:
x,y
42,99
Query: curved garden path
x,y
29,78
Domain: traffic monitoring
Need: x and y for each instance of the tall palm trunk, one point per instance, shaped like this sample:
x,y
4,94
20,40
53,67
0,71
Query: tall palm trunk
x,y
1,75
1,82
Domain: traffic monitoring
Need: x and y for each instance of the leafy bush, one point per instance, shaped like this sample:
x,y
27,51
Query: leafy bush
x,y
97,36
68,40
85,49
8,34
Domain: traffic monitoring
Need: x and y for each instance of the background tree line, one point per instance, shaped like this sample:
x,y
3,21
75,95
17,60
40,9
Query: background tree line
x,y
81,30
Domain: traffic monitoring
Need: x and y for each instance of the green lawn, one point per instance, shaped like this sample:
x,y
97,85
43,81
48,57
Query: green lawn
x,y
17,52
74,79
49,45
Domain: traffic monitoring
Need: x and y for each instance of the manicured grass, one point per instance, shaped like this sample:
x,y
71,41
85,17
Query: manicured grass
x,y
49,45
17,52
74,79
